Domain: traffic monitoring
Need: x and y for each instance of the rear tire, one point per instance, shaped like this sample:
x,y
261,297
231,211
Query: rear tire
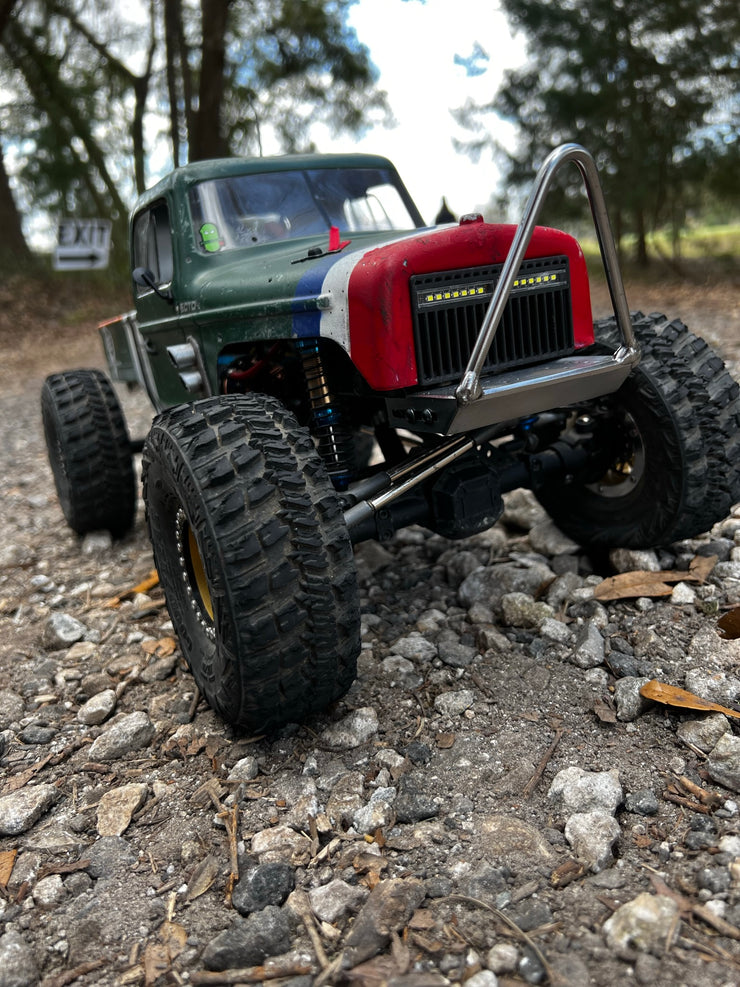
x,y
675,428
89,451
254,557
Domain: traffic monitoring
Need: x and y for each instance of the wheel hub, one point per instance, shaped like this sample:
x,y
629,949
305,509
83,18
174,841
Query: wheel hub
x,y
628,467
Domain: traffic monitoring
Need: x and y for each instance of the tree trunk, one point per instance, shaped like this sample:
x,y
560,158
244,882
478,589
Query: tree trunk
x,y
6,9
14,252
641,254
172,13
206,137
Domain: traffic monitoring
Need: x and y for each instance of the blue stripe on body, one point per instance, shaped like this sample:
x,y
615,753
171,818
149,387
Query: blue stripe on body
x,y
310,286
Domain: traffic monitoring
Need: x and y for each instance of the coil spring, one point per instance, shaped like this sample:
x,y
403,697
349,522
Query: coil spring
x,y
333,437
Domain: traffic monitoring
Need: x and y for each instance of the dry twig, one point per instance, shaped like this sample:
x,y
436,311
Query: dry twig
x,y
512,927
299,901
270,970
533,781
69,976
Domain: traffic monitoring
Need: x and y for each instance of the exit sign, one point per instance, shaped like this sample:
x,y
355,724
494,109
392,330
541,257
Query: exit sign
x,y
82,244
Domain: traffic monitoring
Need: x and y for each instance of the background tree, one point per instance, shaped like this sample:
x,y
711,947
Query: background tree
x,y
642,86
89,86
14,252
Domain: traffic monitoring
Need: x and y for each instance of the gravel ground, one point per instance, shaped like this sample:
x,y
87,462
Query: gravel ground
x,y
492,802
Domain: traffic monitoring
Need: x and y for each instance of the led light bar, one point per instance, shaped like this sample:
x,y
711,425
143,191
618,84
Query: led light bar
x,y
483,290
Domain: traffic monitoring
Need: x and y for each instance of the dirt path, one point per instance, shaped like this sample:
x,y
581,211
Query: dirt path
x,y
488,804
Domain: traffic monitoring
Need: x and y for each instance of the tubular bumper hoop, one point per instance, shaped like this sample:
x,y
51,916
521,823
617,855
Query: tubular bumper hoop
x,y
469,388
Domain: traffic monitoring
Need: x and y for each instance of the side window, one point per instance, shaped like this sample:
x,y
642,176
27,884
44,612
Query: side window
x,y
152,243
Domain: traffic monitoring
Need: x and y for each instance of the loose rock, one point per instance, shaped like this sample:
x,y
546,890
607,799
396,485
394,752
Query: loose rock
x,y
648,922
588,647
130,733
592,836
723,763
62,630
20,810
454,703
389,908
630,703
355,729
98,708
17,961
335,900
704,733
577,790
117,808
249,941
267,884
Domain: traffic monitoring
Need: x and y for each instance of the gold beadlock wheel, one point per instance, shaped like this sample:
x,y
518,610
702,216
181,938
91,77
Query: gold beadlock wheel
x,y
255,559
193,571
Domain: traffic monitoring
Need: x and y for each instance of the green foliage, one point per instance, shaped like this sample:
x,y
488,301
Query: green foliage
x,y
305,65
649,89
94,88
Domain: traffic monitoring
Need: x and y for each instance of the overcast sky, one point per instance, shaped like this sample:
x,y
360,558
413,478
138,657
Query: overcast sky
x,y
433,56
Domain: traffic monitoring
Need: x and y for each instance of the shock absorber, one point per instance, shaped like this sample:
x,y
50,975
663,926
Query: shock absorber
x,y
331,433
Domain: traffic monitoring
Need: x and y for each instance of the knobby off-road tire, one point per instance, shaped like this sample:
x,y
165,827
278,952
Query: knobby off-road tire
x,y
254,557
89,451
678,415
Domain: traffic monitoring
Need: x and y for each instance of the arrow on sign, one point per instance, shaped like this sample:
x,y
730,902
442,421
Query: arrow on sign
x,y
90,257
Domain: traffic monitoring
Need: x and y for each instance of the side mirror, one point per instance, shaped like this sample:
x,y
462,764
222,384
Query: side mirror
x,y
145,279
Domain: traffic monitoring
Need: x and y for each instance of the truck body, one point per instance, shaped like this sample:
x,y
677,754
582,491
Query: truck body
x,y
396,306
325,369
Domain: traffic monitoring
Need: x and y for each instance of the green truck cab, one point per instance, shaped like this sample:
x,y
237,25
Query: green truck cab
x,y
325,369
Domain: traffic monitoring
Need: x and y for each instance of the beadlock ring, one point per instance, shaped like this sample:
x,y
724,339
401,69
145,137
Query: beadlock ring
x,y
193,574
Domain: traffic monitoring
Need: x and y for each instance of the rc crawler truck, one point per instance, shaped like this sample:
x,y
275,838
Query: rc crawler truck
x,y
327,369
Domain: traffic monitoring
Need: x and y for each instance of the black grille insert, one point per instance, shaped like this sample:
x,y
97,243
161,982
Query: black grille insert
x,y
449,307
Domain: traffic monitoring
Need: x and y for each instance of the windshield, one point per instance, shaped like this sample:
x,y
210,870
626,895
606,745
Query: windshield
x,y
245,210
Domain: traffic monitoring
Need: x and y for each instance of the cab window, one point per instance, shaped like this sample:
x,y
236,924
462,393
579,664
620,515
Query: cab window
x,y
152,243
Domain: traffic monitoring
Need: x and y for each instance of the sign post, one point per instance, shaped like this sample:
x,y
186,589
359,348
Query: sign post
x,y
82,244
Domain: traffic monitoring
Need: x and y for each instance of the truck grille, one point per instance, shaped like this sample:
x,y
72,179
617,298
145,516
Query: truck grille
x,y
449,307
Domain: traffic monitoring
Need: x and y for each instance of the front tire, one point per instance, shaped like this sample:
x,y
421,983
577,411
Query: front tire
x,y
89,451
255,559
674,431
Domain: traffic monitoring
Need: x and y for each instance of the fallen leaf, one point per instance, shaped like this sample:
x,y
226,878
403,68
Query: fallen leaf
x,y
156,963
196,745
701,566
370,880
162,648
144,586
729,624
671,695
7,859
174,937
604,712
364,863
644,583
374,973
627,584
203,877
422,919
